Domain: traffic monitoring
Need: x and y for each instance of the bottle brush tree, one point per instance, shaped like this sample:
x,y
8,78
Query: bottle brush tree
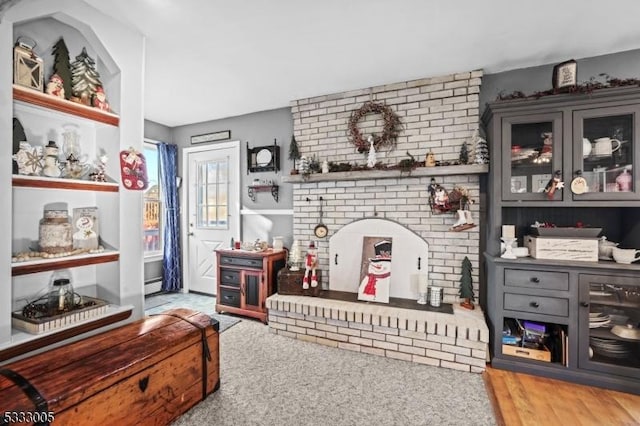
x,y
466,284
294,153
62,66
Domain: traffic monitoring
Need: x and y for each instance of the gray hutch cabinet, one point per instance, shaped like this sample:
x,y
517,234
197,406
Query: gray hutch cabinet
x,y
560,314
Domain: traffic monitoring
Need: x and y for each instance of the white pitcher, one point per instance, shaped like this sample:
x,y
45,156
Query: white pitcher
x,y
604,146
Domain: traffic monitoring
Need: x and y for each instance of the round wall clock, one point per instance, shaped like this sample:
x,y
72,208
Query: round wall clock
x,y
263,157
320,231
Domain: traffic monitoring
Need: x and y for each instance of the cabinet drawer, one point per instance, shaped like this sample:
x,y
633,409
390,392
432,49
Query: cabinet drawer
x,y
229,277
230,297
537,304
241,261
536,279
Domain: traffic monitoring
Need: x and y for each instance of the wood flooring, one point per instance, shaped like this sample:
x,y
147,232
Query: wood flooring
x,y
524,400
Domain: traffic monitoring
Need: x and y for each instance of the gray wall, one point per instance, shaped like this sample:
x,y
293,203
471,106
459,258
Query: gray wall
x,y
536,79
157,132
258,129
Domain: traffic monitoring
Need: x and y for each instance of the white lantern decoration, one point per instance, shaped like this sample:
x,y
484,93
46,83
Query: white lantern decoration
x,y
27,66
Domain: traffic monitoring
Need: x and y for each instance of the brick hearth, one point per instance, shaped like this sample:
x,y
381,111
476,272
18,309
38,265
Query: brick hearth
x,y
457,341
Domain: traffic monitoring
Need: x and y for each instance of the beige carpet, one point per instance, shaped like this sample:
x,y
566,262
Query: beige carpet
x,y
273,380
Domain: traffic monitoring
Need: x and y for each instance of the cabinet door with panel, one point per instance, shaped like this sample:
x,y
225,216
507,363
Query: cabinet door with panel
x,y
531,153
609,322
605,152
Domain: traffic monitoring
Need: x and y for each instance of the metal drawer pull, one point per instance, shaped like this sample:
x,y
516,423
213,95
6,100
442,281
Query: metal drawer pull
x,y
535,280
419,263
226,297
228,277
584,304
336,259
534,304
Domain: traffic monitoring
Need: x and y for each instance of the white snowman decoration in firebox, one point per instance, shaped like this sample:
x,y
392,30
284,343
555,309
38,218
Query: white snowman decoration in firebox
x,y
375,285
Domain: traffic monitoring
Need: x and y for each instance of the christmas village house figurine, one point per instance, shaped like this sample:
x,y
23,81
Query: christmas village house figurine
x,y
466,285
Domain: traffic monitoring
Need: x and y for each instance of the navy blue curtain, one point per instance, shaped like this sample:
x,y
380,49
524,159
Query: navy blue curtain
x,y
171,260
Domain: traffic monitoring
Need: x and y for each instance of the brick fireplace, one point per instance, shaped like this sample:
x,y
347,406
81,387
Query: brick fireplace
x,y
438,115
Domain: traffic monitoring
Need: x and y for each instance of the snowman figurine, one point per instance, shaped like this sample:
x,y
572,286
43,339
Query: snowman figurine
x,y
375,285
310,265
51,164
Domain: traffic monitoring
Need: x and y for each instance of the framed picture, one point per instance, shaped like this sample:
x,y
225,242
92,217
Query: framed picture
x,y
565,74
211,137
539,182
518,184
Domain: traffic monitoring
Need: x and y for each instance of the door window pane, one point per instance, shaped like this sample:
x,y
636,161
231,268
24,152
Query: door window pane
x,y
211,189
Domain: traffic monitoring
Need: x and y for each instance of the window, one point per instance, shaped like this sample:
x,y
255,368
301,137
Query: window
x,y
152,219
212,188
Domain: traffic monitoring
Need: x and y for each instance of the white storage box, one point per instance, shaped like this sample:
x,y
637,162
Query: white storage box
x,y
562,248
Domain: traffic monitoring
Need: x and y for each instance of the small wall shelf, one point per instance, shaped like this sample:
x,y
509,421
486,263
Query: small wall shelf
x,y
40,265
252,189
62,183
34,97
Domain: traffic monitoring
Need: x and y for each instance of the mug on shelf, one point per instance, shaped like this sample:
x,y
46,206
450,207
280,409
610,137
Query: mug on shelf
x,y
625,255
603,147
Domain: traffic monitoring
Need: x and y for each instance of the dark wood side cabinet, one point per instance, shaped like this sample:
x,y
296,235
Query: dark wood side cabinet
x,y
245,280
595,136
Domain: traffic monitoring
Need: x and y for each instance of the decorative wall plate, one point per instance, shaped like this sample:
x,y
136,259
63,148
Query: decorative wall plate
x,y
579,185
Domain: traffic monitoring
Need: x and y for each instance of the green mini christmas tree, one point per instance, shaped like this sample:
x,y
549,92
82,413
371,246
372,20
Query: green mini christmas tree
x,y
464,153
84,77
62,66
466,285
294,153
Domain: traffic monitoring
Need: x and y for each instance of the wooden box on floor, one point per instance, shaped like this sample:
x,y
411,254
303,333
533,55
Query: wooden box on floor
x,y
148,372
290,283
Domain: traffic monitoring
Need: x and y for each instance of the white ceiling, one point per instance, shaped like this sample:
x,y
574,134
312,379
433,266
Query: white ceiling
x,y
210,59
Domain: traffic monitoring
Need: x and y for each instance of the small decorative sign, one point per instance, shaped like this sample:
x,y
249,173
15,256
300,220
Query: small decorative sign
x,y
565,74
211,137
133,170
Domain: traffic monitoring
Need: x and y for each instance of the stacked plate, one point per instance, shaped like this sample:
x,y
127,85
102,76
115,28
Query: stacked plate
x,y
598,319
609,347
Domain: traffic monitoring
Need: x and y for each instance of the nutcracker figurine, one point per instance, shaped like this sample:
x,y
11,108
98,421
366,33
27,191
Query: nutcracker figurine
x,y
310,264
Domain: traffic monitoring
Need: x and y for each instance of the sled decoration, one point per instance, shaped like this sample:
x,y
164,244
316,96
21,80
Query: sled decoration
x,y
133,169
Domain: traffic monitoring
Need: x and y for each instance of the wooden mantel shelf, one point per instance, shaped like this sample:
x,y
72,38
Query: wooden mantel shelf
x,y
45,100
470,169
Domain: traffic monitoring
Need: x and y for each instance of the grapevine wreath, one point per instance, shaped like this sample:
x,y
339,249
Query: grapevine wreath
x,y
392,126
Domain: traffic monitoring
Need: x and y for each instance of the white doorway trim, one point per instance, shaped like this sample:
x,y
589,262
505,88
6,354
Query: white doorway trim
x,y
184,204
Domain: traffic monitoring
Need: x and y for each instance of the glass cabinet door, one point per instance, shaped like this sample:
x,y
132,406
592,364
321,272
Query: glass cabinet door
x,y
604,153
609,319
531,153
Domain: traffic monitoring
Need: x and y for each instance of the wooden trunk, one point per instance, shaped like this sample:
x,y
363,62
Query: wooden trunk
x,y
290,283
147,372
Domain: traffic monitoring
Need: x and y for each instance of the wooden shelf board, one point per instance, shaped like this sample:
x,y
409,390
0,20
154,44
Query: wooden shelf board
x,y
40,265
389,174
62,183
22,342
34,97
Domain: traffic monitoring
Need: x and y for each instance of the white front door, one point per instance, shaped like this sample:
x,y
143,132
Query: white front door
x,y
213,216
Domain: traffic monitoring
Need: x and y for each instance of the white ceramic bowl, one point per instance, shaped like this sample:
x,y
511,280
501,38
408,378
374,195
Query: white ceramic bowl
x,y
626,331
